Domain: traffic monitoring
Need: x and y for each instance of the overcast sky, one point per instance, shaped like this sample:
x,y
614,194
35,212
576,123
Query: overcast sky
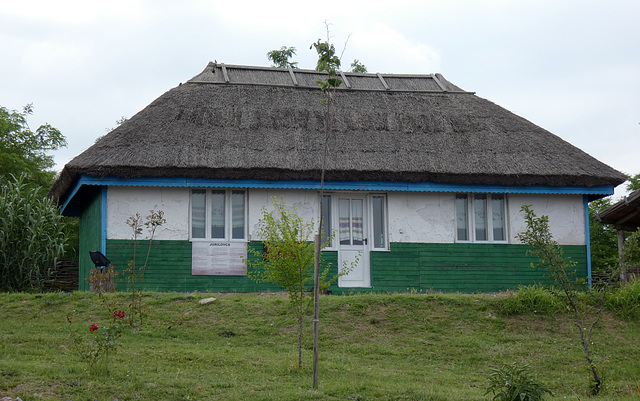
x,y
571,67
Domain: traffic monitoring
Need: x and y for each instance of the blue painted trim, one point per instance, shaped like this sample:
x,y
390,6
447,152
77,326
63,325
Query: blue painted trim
x,y
103,222
339,185
72,194
587,230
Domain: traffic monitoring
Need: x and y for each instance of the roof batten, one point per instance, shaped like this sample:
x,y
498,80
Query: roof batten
x,y
224,72
436,80
383,82
346,81
293,76
300,78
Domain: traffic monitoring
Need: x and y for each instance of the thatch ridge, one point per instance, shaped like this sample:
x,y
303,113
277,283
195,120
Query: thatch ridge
x,y
276,132
215,73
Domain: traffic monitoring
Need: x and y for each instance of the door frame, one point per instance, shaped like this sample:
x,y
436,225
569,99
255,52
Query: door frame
x,y
351,253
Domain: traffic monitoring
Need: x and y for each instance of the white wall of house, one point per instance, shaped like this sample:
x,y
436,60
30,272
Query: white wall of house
x,y
123,202
566,216
306,202
412,217
421,217
430,217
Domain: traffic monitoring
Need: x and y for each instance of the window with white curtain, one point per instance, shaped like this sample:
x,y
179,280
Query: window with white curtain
x,y
347,222
481,218
218,214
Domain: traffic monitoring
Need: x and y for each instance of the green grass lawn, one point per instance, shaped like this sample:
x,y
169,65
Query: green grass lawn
x,y
244,347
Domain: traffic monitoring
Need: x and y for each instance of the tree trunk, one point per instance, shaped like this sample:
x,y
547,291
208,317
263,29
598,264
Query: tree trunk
x,y
300,341
595,389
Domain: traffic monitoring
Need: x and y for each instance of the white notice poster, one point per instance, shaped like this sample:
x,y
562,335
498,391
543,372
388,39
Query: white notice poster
x,y
218,258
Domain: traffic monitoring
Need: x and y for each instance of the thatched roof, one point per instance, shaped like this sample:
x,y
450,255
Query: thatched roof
x,y
624,214
236,122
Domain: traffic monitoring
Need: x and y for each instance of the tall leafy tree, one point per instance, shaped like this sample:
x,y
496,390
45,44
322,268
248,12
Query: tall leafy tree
x,y
358,67
633,182
603,238
282,58
23,151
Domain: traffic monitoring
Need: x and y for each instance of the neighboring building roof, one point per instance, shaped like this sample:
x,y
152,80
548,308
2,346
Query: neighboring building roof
x,y
238,122
624,214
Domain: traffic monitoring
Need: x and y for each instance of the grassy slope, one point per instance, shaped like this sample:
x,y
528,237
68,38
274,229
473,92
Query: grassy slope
x,y
243,346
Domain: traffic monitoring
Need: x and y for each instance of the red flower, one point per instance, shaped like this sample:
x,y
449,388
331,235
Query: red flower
x,y
93,327
119,314
68,319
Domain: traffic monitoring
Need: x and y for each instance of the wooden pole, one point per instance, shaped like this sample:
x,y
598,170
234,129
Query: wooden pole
x,y
316,306
623,263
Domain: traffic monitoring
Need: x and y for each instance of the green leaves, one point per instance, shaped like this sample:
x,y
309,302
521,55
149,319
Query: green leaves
x,y
631,249
280,58
329,63
513,383
562,270
358,67
603,238
549,253
31,235
134,272
288,253
288,258
23,151
633,182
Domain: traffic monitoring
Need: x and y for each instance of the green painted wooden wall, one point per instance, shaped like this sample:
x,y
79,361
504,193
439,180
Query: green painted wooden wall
x,y
406,267
169,268
460,267
89,237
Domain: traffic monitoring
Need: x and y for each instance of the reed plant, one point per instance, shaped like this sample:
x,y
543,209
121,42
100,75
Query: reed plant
x,y
31,236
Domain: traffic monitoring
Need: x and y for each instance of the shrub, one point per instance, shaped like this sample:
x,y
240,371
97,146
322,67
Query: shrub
x,y
512,382
96,345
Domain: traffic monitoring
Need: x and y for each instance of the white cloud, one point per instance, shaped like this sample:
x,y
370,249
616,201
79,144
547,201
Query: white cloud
x,y
72,11
384,49
570,67
49,58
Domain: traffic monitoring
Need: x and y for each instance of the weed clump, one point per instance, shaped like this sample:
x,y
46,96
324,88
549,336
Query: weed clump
x,y
511,382
625,302
533,299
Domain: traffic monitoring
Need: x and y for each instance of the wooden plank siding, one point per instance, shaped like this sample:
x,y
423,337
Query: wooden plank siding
x,y
408,266
89,237
169,268
460,267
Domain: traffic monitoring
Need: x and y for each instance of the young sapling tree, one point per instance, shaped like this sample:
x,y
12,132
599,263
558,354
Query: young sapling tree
x,y
287,259
135,273
563,272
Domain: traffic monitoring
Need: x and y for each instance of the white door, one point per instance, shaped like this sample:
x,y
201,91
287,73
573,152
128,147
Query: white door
x,y
353,248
